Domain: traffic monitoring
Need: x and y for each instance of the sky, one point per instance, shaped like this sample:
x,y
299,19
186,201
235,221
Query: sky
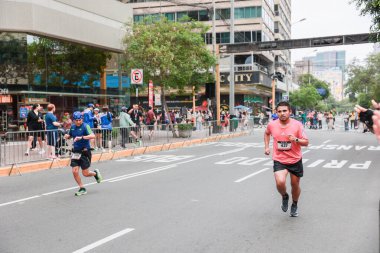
x,y
327,18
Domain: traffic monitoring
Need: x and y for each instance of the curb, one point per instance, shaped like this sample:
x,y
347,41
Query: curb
x,y
108,156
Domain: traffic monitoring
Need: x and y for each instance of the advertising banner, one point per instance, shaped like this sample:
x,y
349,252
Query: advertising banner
x,y
150,93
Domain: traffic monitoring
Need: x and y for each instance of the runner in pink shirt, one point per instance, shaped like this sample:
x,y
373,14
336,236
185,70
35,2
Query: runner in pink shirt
x,y
288,137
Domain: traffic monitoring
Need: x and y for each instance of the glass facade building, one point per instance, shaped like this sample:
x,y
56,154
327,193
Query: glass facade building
x,y
34,74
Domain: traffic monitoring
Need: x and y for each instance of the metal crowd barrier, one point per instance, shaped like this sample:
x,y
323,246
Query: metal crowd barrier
x,y
30,146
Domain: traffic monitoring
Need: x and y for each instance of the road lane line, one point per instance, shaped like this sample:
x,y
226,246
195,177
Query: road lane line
x,y
307,151
104,240
251,175
20,200
122,176
315,164
63,190
142,173
326,141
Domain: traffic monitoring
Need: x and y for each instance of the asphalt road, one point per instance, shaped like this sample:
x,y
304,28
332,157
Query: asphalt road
x,y
219,197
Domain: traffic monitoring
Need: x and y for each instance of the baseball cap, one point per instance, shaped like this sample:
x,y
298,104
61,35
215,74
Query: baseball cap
x,y
77,115
90,105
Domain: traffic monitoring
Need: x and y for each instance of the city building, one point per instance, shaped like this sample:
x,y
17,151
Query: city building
x,y
328,66
82,23
257,20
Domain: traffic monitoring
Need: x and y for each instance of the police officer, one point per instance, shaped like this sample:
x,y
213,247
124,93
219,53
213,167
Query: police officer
x,y
81,156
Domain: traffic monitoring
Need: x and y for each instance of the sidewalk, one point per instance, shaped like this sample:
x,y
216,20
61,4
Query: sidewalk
x,y
15,162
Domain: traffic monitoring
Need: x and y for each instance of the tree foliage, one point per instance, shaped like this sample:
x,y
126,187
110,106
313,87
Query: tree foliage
x,y
372,8
60,62
172,54
307,97
364,81
306,79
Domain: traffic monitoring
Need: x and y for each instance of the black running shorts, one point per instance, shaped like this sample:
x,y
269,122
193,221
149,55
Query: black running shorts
x,y
296,168
84,162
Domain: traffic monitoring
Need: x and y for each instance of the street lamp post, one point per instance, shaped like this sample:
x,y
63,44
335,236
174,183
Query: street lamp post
x,y
232,61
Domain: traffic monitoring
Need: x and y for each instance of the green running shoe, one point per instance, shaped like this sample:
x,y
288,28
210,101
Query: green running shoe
x,y
82,191
98,176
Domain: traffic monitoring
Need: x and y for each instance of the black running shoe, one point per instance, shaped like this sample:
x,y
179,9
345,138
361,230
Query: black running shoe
x,y
285,203
293,211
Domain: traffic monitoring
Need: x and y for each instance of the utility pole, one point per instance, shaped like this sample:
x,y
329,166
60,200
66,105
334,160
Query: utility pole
x,y
217,84
215,50
232,60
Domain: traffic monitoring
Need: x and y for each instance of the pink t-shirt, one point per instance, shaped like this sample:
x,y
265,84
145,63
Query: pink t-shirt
x,y
285,151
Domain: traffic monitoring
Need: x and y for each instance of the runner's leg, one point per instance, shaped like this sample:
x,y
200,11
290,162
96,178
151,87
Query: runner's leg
x,y
76,176
88,173
296,189
280,177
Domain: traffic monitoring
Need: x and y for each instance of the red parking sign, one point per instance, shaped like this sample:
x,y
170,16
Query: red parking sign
x,y
137,76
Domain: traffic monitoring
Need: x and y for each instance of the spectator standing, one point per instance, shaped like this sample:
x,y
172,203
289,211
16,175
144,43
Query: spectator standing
x,y
136,116
125,126
51,125
97,130
33,122
320,118
106,125
150,121
66,121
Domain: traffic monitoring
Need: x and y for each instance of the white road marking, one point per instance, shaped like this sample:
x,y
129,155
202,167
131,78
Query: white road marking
x,y
326,141
251,175
63,190
141,173
20,200
104,240
315,164
307,151
232,160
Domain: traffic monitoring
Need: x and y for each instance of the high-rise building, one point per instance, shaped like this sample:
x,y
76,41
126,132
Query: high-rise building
x,y
256,20
327,66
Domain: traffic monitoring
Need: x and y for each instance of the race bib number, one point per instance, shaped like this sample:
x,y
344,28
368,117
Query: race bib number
x,y
284,145
76,156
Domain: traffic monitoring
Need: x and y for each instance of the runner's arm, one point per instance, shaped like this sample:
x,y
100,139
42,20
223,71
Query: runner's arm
x,y
266,142
90,135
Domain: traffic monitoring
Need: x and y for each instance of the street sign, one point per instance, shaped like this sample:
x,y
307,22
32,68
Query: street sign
x,y
136,76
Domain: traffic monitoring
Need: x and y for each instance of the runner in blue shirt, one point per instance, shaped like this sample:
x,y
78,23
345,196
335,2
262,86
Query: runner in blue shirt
x,y
81,156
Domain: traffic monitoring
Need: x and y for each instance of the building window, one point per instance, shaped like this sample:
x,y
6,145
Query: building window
x,y
170,16
138,18
241,37
221,38
248,12
181,15
203,15
193,15
223,14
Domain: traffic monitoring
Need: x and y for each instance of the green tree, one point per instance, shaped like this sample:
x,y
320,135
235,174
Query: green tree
x,y
307,97
364,81
307,79
172,54
372,8
60,62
